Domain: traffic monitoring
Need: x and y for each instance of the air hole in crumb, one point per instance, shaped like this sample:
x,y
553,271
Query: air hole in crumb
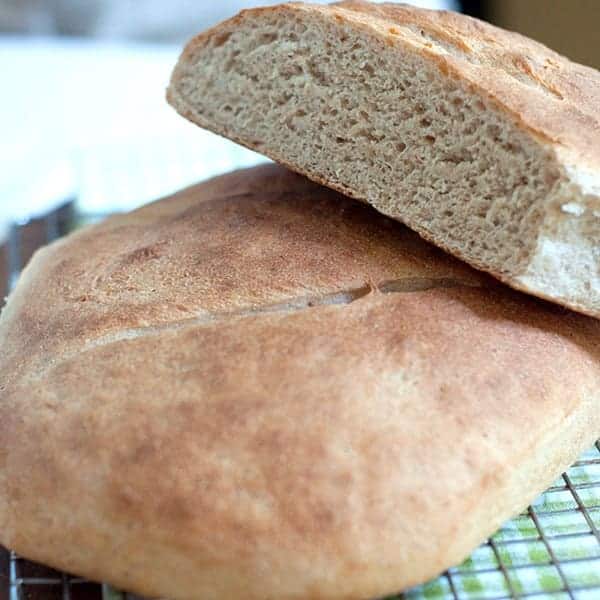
x,y
425,122
430,139
369,69
315,71
266,38
282,100
401,147
493,131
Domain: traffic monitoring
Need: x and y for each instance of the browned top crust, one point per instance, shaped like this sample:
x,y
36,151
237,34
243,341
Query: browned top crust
x,y
259,388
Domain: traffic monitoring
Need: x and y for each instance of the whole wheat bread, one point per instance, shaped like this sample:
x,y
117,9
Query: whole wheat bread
x,y
259,388
483,141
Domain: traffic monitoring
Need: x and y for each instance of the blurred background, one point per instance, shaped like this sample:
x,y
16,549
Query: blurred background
x,y
82,112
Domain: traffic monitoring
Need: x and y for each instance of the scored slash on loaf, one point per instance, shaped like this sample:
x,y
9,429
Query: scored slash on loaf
x,y
485,142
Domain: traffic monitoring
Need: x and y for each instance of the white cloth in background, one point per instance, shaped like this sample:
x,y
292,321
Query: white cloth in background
x,y
90,119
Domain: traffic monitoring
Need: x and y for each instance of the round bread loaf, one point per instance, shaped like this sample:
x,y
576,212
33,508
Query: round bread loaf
x,y
258,388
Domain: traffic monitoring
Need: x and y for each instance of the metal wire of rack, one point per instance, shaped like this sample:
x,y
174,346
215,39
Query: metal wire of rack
x,y
552,550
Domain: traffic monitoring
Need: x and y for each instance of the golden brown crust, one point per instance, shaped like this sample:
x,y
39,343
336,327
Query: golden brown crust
x,y
196,428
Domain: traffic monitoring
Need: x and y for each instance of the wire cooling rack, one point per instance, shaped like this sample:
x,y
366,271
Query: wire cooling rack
x,y
552,550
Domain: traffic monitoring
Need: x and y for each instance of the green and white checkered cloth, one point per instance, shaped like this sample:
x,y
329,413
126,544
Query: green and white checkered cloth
x,y
550,551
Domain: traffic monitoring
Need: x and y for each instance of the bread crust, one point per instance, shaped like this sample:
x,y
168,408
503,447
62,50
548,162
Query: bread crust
x,y
552,99
250,389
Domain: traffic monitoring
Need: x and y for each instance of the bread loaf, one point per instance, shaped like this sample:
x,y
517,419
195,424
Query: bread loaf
x,y
258,388
481,140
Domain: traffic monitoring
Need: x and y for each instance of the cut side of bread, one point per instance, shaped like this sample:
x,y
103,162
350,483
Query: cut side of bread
x,y
259,388
484,142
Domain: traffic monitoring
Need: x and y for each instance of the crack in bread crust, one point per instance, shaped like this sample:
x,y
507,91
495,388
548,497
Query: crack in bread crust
x,y
287,307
